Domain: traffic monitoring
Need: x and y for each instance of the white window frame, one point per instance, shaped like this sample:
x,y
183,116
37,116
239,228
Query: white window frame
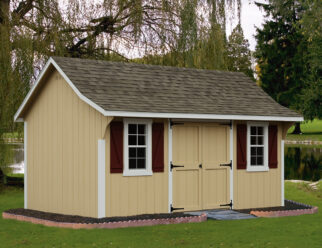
x,y
261,167
138,172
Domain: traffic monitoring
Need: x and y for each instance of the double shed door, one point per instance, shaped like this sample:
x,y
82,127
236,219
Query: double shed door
x,y
202,183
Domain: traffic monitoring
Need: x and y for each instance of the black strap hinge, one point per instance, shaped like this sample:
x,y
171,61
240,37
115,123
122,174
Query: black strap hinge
x,y
174,166
230,164
228,205
173,209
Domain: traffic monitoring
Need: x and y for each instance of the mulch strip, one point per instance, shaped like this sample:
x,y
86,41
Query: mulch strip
x,y
81,219
289,205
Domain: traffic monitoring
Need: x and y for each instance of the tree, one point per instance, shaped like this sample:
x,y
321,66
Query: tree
x,y
280,53
238,53
201,41
311,26
33,30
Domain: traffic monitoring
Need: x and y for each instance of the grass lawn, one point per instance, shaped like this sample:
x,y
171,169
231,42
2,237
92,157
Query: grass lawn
x,y
305,136
298,231
311,131
17,175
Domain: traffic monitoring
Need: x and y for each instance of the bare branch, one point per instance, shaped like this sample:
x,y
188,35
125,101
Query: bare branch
x,y
23,8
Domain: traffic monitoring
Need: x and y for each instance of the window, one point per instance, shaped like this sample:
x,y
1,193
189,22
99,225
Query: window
x,y
137,147
257,147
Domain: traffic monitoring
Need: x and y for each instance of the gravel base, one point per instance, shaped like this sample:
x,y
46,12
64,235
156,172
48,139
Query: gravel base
x,y
289,205
81,219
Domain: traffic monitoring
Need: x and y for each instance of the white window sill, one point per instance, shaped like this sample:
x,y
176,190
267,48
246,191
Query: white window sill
x,y
133,173
257,168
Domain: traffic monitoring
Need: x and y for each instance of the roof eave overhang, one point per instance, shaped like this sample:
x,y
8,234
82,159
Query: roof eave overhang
x,y
51,61
202,116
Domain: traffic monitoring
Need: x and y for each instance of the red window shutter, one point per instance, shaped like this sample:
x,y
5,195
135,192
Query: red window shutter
x,y
241,146
272,146
116,147
157,147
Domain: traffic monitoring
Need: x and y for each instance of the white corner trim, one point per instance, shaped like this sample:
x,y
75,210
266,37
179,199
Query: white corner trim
x,y
282,173
101,178
231,152
258,168
169,162
25,186
141,172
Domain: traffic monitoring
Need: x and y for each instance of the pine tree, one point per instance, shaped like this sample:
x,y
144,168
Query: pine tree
x,y
311,26
238,53
280,53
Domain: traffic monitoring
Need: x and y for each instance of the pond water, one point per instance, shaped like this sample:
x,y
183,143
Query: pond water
x,y
303,162
11,158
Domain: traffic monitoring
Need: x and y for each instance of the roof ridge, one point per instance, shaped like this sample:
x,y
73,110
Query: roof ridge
x,y
132,63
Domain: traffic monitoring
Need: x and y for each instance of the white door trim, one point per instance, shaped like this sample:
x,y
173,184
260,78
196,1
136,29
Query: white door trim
x,y
231,144
101,178
25,167
169,162
282,173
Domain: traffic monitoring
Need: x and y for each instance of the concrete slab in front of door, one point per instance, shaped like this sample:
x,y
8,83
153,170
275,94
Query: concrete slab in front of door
x,y
223,214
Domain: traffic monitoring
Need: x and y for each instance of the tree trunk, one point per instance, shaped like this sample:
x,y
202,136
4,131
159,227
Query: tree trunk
x,y
4,11
297,129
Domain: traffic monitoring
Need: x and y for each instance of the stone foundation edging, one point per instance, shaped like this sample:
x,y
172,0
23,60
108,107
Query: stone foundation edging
x,y
108,225
296,212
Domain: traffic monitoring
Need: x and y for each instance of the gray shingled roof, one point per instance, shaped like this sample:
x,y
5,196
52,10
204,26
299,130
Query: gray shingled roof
x,y
134,87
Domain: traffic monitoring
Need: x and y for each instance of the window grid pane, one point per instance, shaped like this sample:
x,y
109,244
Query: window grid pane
x,y
257,145
137,146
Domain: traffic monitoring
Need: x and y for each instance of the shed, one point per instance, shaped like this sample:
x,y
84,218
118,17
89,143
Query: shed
x,y
107,139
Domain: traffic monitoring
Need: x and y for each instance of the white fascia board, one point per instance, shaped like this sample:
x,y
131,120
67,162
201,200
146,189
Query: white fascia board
x,y
51,61
31,91
202,116
81,96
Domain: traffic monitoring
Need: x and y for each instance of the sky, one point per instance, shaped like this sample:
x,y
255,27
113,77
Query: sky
x,y
251,16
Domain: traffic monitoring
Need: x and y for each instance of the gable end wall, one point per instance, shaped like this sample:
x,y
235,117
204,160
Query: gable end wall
x,y
62,150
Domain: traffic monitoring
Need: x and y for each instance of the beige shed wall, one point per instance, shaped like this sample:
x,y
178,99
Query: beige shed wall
x,y
62,163
257,189
62,150
133,195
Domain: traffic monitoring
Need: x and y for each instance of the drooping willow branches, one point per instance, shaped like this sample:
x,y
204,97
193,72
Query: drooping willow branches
x,y
172,32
